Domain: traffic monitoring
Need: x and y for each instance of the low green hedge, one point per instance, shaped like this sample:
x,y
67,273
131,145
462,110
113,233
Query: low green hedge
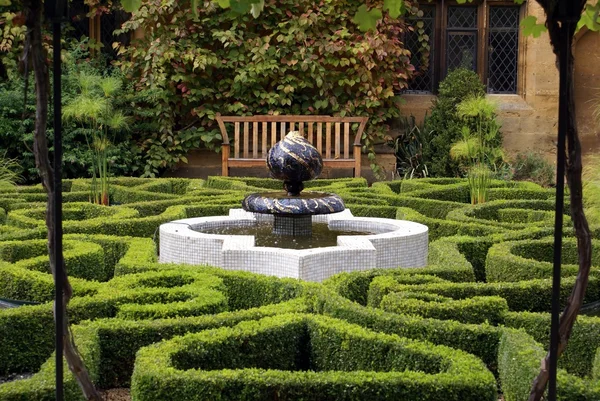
x,y
93,256
524,216
470,310
532,259
519,357
480,339
444,262
439,228
532,295
293,357
386,212
179,292
488,213
27,285
82,259
109,347
578,358
77,216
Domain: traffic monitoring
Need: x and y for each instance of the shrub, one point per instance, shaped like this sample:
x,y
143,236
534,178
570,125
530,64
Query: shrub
x,y
444,121
519,358
527,260
292,357
471,310
531,295
480,340
532,166
518,363
578,358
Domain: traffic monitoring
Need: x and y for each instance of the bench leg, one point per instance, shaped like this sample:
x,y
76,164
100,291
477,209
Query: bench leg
x,y
357,160
225,149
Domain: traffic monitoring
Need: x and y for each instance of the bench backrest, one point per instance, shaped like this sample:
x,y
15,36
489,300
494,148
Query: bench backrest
x,y
253,136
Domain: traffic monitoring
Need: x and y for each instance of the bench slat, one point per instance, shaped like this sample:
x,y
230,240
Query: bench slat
x,y
328,141
264,140
273,133
255,140
282,131
246,139
337,140
320,137
237,141
310,133
346,140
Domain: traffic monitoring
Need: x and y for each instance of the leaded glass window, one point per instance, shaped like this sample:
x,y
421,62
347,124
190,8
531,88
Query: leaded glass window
x,y
503,49
461,38
108,24
79,24
423,80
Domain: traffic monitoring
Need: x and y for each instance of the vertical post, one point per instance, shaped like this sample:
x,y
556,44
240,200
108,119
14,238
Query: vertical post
x,y
57,211
563,124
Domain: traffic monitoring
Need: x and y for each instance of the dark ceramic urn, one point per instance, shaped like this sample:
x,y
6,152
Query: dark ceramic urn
x,y
294,160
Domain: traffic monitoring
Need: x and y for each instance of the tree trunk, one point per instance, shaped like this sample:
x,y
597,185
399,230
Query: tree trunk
x,y
34,51
574,180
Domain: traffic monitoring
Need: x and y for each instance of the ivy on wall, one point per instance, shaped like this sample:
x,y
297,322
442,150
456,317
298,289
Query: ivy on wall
x,y
299,57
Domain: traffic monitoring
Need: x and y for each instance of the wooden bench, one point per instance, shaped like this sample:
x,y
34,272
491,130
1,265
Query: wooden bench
x,y
253,136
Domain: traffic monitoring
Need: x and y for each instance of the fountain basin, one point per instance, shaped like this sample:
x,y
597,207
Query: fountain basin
x,y
396,243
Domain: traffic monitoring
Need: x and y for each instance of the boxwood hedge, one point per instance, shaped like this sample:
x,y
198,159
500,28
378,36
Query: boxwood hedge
x,y
293,357
484,261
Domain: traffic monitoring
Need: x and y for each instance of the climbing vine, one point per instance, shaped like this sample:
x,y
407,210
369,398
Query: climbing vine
x,y
299,57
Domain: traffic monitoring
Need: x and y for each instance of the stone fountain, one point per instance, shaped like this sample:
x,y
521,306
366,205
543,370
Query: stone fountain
x,y
293,160
361,242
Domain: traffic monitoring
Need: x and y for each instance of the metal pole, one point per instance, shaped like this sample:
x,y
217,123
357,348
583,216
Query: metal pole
x,y
57,212
563,116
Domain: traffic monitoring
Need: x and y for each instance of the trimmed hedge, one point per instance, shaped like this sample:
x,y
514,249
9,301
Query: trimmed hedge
x,y
578,357
293,357
138,297
471,310
532,259
480,340
519,359
488,213
532,295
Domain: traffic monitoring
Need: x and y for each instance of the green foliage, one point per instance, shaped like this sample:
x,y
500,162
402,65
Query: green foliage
x,y
408,149
526,260
93,108
294,59
147,302
532,166
445,123
294,357
472,310
518,363
531,27
480,150
578,358
17,124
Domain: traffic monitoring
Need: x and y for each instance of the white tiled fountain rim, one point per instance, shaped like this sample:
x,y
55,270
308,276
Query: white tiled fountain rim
x,y
382,227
